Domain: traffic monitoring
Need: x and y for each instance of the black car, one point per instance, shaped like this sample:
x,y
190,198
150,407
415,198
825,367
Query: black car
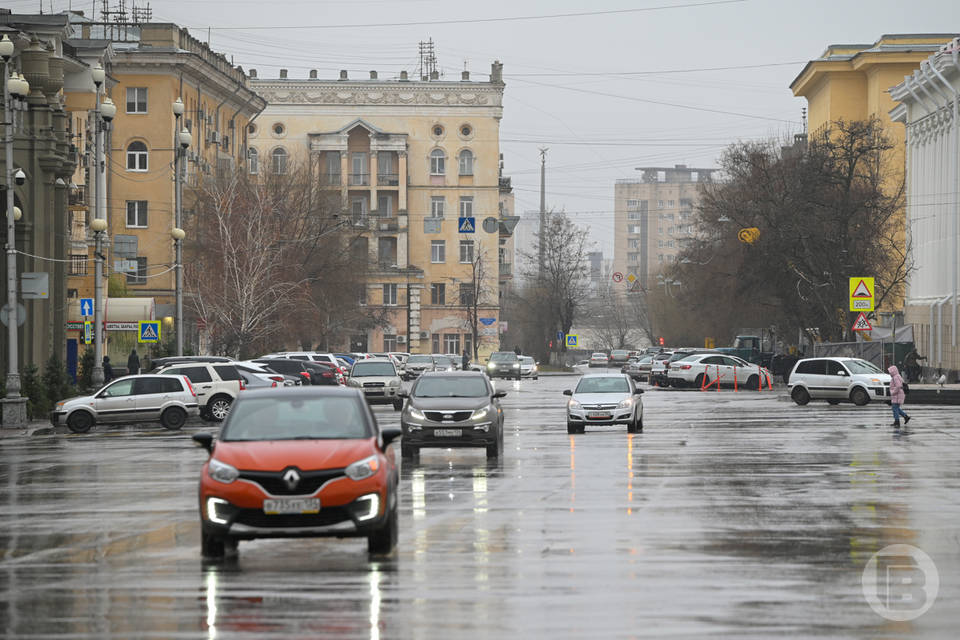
x,y
504,364
312,373
460,409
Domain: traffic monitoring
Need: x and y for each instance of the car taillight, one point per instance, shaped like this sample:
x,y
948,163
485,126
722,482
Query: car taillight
x,y
243,387
685,366
277,378
305,374
274,383
326,374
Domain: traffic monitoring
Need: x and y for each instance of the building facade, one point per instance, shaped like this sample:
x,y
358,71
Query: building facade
x,y
416,165
930,110
653,217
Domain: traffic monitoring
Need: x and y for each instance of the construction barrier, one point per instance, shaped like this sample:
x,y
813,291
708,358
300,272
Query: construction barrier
x,y
706,383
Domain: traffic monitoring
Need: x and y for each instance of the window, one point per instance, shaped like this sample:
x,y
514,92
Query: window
x,y
466,294
437,162
659,204
660,257
252,129
333,167
280,161
670,230
633,258
633,215
125,246
466,206
670,205
435,342
437,130
385,205
136,213
390,294
466,162
389,342
140,277
358,169
136,100
137,156
253,161
451,343
633,228
816,367
466,131
660,244
278,129
438,251
358,209
437,206
438,293
633,243
78,264
362,297
633,204
466,251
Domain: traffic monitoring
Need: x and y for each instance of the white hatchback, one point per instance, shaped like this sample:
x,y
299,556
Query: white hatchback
x,y
604,399
838,380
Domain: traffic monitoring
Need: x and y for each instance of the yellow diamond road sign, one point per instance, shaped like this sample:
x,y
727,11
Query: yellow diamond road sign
x,y
861,294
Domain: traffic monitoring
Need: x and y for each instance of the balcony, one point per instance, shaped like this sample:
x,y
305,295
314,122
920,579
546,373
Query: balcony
x,y
359,179
330,180
388,179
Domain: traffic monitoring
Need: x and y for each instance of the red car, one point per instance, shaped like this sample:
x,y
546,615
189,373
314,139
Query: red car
x,y
299,462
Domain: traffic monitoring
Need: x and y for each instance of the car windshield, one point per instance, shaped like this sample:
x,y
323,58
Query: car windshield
x,y
420,360
373,369
861,366
296,418
451,387
526,359
503,355
645,360
603,385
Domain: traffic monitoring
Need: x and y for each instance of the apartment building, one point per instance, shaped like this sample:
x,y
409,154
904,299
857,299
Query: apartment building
x,y
416,163
653,217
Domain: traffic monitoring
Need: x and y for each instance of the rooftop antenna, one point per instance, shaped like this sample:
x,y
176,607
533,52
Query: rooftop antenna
x,y
428,59
139,15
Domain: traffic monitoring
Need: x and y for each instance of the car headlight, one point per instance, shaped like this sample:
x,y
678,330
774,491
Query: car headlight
x,y
363,468
491,365
573,404
351,382
395,382
516,365
625,404
415,413
480,414
60,404
222,472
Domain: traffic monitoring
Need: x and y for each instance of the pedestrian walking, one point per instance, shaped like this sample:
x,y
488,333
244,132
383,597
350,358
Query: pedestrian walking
x,y
107,370
897,397
911,365
133,363
465,360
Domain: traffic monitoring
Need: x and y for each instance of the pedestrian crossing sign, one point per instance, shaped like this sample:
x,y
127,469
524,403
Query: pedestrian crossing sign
x,y
572,339
87,332
862,324
149,331
467,224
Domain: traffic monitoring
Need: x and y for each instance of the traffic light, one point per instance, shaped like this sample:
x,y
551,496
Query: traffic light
x,y
551,344
661,341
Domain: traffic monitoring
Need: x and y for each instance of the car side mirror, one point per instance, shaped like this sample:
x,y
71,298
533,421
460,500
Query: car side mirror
x,y
500,394
389,434
638,392
204,440
567,392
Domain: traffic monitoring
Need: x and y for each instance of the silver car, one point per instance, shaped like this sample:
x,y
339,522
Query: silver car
x,y
604,399
171,399
838,380
379,380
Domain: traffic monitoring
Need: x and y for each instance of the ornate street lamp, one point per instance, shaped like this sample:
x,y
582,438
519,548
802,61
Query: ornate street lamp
x,y
183,140
105,111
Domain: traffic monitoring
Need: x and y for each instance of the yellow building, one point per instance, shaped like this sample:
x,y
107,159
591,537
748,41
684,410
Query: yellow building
x,y
148,67
416,164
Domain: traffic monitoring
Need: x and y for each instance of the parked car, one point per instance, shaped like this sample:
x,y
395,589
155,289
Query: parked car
x,y
618,357
143,398
460,409
838,380
159,363
503,364
637,368
418,364
659,369
604,399
700,369
379,380
217,386
442,362
295,463
402,356
599,359
529,368
252,381
310,373
264,371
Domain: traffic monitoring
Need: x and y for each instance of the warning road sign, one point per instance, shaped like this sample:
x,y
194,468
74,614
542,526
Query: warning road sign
x,y
862,324
149,331
861,294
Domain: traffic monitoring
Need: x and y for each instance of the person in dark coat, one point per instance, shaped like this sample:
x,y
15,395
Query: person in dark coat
x,y
107,369
133,363
465,360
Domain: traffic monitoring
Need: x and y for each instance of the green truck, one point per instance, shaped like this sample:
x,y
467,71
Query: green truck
x,y
750,348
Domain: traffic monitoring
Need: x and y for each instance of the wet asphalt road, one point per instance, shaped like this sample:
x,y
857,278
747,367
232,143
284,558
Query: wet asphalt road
x,y
733,515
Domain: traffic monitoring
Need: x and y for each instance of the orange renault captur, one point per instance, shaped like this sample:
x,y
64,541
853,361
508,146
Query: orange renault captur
x,y
296,463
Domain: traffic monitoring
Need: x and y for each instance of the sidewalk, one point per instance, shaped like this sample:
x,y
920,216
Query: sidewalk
x,y
33,428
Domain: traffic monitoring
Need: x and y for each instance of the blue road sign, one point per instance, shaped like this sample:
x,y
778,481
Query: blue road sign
x,y
467,225
559,335
572,339
487,321
87,332
149,331
86,307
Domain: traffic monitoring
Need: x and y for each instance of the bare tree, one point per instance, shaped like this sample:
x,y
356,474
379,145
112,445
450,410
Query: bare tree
x,y
477,293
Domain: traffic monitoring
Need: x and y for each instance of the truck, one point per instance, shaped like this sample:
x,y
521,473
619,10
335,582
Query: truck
x,y
750,348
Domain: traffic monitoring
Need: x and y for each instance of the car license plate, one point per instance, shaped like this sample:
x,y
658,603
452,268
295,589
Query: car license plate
x,y
448,432
597,414
291,505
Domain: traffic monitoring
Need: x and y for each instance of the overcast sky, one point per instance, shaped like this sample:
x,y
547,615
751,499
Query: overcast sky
x,y
641,85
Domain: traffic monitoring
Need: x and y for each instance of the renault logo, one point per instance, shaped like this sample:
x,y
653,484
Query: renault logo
x,y
291,478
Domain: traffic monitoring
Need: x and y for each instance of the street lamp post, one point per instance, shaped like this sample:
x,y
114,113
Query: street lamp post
x,y
14,406
103,114
183,140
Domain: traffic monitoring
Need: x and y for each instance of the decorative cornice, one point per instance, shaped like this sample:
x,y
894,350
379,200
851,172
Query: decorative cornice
x,y
339,93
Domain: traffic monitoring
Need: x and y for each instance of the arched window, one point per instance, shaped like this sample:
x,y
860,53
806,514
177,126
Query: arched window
x,y
438,161
466,162
280,161
253,161
136,156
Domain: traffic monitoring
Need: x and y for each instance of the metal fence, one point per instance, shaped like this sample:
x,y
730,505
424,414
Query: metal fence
x,y
873,351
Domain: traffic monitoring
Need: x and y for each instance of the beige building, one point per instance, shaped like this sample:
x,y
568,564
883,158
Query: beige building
x,y
416,164
653,217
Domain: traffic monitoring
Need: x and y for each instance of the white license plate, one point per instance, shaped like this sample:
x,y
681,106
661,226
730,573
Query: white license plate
x,y
597,414
291,505
448,432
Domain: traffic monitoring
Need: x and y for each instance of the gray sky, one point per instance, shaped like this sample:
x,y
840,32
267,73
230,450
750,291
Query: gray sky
x,y
563,88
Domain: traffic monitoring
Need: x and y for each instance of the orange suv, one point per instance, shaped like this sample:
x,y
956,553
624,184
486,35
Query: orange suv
x,y
299,462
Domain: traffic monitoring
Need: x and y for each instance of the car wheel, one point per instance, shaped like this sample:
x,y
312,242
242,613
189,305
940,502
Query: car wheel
x,y
384,539
833,401
173,418
397,405
701,380
859,397
211,546
409,451
753,382
80,422
571,427
219,407
632,426
800,396
495,450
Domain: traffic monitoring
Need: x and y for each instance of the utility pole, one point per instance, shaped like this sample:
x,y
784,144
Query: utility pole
x,y
543,209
